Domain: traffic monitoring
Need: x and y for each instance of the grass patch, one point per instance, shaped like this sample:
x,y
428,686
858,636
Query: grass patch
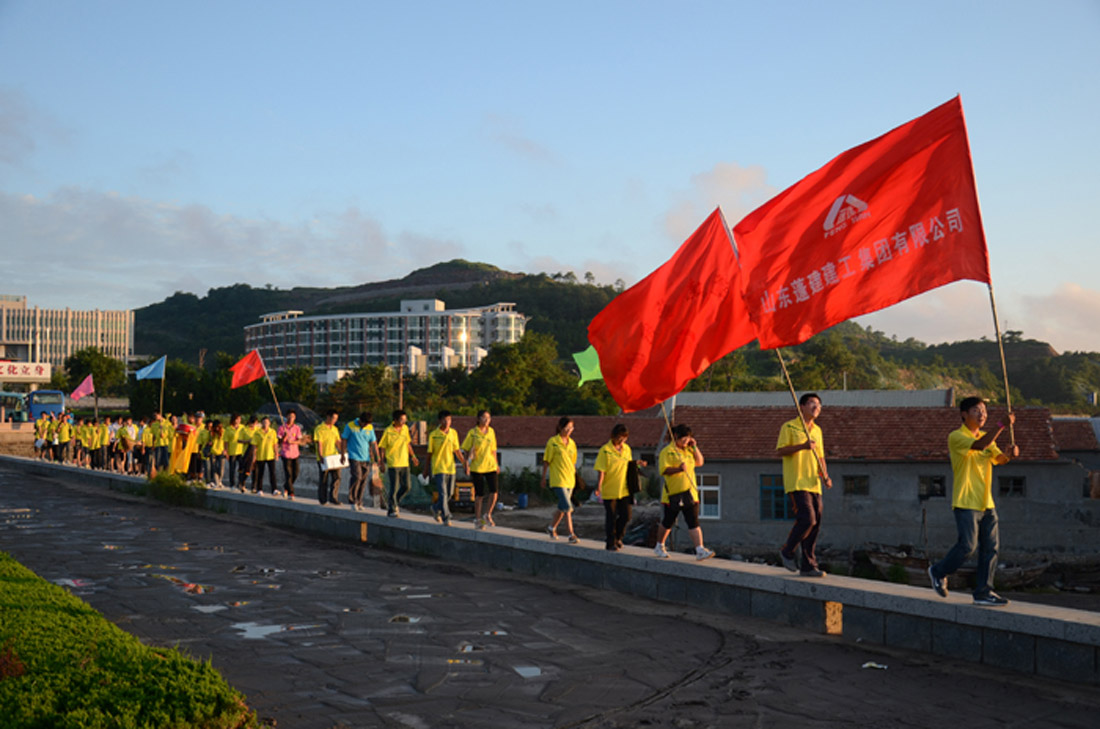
x,y
174,489
63,665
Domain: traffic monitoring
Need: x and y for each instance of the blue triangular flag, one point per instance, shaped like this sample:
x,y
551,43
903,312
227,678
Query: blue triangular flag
x,y
154,371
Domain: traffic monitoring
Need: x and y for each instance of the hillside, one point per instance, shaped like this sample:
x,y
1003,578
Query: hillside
x,y
183,324
846,355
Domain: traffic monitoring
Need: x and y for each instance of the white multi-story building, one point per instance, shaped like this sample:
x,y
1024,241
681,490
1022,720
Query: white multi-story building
x,y
49,336
422,337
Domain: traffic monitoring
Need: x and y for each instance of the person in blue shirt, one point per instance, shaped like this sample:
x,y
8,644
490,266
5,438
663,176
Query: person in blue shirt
x,y
361,445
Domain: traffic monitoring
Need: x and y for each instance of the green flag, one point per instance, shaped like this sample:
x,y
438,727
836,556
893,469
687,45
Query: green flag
x,y
588,362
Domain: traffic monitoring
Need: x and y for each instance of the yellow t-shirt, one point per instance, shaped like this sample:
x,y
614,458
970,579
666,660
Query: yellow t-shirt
x,y
396,444
800,471
102,435
325,438
265,442
148,436
217,444
613,464
482,450
164,433
677,483
231,434
441,448
64,432
562,459
40,427
973,470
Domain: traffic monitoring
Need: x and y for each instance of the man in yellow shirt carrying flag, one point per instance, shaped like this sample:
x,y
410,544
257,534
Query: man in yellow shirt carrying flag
x,y
973,455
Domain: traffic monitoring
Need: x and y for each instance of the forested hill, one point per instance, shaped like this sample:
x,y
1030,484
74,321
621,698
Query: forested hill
x,y
184,324
559,305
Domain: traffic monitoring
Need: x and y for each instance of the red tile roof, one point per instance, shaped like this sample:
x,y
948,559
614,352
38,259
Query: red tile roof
x,y
1075,435
879,434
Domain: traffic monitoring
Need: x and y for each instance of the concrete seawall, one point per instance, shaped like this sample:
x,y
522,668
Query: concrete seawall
x,y
1053,642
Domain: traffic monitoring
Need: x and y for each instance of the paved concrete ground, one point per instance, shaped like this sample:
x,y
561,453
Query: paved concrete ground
x,y
321,634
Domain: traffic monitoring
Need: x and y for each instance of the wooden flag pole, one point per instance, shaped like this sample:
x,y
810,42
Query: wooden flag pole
x,y
798,408
1004,366
282,420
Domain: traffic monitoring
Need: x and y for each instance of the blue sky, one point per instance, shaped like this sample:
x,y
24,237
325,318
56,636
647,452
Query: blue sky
x,y
147,148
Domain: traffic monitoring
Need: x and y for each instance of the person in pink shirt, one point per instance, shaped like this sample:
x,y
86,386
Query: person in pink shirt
x,y
290,435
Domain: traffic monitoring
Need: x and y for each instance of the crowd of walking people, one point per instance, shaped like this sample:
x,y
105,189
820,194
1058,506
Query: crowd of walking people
x,y
242,455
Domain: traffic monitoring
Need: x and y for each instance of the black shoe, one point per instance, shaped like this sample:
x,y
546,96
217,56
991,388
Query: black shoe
x,y
939,584
990,598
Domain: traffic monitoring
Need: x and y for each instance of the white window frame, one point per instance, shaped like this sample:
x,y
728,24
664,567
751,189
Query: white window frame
x,y
709,483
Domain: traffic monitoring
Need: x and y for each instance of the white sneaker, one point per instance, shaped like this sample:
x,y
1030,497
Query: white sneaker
x,y
702,553
660,551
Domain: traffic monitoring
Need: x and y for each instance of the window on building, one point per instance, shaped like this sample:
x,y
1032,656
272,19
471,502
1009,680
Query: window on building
x,y
588,460
774,504
931,487
1012,485
538,460
857,485
710,495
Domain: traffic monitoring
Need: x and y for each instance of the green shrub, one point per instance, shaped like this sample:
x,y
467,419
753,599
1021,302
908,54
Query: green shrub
x,y
63,665
172,488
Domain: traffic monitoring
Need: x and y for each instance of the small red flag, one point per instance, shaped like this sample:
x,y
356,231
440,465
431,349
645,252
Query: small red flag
x,y
668,328
249,369
880,223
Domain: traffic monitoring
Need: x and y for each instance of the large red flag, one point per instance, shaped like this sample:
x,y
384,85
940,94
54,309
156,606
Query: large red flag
x,y
667,329
249,369
878,224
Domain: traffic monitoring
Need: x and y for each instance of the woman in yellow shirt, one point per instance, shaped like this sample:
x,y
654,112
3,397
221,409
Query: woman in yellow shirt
x,y
483,465
677,464
613,462
560,462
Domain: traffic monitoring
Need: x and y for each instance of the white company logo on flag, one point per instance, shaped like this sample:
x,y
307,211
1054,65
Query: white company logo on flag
x,y
846,209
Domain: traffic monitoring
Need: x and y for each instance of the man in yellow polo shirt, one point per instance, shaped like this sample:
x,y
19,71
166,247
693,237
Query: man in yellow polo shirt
x,y
396,450
442,451
803,473
326,442
973,455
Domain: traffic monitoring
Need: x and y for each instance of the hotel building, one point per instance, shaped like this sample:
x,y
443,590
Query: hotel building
x,y
422,337
49,336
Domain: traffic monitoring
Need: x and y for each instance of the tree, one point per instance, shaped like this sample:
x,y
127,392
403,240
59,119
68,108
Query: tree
x,y
108,374
368,387
297,384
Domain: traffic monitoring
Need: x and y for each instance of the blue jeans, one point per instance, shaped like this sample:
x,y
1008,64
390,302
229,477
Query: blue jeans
x,y
977,530
394,491
444,486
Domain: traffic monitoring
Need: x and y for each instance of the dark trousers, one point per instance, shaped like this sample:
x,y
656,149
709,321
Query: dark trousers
x,y
616,517
161,457
290,474
977,530
328,484
258,480
807,525
234,464
397,486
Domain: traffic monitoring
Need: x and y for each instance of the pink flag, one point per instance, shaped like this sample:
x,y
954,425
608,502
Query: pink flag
x,y
86,388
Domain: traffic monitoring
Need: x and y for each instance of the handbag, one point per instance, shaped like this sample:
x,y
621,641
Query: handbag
x,y
633,482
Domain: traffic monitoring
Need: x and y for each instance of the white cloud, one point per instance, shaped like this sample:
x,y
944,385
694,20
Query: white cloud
x,y
20,125
738,190
508,133
1065,318
87,249
1068,318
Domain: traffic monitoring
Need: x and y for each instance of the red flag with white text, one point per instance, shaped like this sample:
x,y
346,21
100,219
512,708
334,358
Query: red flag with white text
x,y
667,329
249,369
880,223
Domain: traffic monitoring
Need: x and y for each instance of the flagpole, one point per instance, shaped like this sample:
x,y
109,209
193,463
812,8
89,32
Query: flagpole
x,y
794,397
161,411
1004,366
282,420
